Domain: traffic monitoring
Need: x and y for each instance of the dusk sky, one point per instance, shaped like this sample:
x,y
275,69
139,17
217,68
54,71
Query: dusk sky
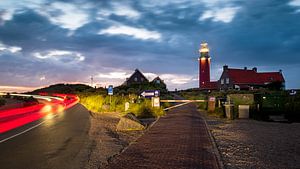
x,y
44,42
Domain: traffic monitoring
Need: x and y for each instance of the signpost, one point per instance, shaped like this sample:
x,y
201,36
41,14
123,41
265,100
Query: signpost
x,y
154,95
150,93
293,92
155,102
110,92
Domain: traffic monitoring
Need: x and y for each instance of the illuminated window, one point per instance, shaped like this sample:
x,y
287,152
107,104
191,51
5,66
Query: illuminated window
x,y
227,80
222,81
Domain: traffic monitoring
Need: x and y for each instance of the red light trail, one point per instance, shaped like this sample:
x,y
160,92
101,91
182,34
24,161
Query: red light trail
x,y
13,118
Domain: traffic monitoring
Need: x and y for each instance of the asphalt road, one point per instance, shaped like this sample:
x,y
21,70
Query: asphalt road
x,y
55,143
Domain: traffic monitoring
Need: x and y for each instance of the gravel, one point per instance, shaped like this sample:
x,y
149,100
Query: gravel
x,y
256,144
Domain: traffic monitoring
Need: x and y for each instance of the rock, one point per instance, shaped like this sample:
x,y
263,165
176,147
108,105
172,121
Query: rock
x,y
129,122
105,107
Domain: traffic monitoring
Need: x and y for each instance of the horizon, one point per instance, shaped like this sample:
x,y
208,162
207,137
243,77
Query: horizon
x,y
47,42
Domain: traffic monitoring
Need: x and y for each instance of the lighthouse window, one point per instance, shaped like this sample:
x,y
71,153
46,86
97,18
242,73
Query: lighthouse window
x,y
227,80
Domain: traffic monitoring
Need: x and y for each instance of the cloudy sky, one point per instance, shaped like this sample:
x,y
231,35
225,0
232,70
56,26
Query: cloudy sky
x,y
43,42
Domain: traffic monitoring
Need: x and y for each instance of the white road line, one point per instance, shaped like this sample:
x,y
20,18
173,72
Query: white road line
x,y
35,126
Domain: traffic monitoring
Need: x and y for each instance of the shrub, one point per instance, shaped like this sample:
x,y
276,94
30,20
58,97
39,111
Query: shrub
x,y
2,101
202,106
145,110
218,112
142,108
93,103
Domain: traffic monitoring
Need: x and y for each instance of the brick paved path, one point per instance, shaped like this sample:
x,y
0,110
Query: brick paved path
x,y
178,140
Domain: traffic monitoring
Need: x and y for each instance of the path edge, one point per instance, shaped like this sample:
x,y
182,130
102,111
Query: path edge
x,y
215,147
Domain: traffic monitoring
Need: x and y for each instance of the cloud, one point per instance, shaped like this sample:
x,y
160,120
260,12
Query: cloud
x,y
11,49
239,33
66,15
295,3
138,33
42,78
6,15
177,79
150,76
60,55
70,15
113,75
124,10
16,89
225,15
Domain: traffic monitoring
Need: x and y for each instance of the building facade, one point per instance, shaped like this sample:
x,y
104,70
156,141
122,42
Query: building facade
x,y
136,78
159,82
249,79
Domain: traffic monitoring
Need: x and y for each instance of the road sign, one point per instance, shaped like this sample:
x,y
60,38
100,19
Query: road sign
x,y
110,90
212,99
293,92
150,93
155,102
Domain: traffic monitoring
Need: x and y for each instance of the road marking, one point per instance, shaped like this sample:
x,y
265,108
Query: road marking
x,y
35,126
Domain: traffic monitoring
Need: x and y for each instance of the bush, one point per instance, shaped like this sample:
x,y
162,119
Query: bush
x,y
145,110
142,108
218,112
93,103
2,101
202,106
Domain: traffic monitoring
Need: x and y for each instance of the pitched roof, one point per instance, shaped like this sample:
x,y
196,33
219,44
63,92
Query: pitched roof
x,y
242,76
137,71
157,78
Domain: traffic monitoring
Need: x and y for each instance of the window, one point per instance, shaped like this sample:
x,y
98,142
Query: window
x,y
227,80
222,81
135,79
142,79
157,81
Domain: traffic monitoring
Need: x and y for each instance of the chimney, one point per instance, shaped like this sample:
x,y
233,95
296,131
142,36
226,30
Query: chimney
x,y
245,68
280,71
225,67
254,69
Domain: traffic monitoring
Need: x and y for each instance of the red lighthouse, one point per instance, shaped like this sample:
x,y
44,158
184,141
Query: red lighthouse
x,y
204,66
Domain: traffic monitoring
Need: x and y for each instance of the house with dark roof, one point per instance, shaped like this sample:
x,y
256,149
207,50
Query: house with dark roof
x,y
158,82
136,78
249,79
